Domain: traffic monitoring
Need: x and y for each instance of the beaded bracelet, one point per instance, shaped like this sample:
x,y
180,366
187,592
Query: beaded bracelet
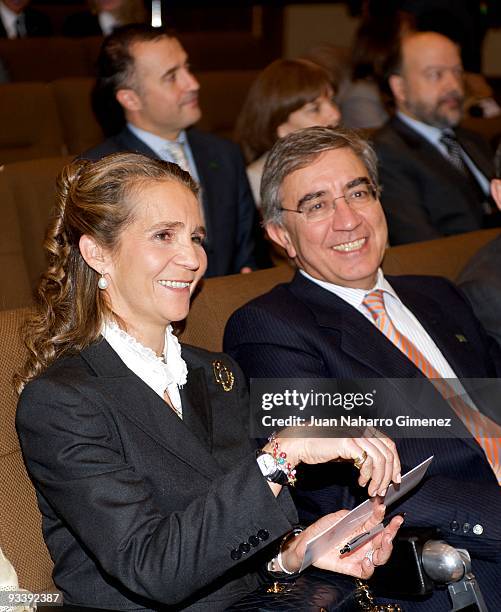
x,y
280,458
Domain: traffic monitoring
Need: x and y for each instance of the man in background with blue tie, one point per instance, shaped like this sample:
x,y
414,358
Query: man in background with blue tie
x,y
434,174
19,20
340,317
145,79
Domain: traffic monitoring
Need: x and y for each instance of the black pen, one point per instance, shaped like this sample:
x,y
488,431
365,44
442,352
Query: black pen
x,y
362,538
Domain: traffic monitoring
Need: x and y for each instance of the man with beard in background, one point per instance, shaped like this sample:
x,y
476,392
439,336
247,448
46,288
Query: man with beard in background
x,y
434,174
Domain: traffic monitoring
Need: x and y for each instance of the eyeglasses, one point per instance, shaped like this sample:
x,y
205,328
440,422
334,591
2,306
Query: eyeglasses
x,y
318,207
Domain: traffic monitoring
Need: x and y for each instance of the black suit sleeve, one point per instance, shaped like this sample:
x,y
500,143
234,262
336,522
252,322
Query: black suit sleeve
x,y
246,219
80,466
407,218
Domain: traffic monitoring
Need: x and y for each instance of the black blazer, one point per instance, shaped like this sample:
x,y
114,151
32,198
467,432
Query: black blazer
x,y
36,23
480,280
424,196
83,23
230,212
139,507
321,336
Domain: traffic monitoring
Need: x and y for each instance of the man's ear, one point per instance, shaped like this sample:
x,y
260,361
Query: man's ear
x,y
283,129
397,86
281,236
496,191
93,254
128,99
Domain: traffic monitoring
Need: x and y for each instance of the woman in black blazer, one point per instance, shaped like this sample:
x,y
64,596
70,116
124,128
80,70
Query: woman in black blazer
x,y
150,491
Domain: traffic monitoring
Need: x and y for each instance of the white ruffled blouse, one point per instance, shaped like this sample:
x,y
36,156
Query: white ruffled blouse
x,y
166,373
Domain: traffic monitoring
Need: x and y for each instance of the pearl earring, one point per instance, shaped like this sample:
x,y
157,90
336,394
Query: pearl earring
x,y
102,283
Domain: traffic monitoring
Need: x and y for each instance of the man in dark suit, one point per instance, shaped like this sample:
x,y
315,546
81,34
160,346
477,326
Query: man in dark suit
x,y
434,174
146,74
480,280
321,205
18,20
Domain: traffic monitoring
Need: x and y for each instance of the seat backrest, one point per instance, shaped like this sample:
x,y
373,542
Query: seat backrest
x,y
441,257
30,123
20,521
32,187
81,131
44,59
222,94
220,297
16,290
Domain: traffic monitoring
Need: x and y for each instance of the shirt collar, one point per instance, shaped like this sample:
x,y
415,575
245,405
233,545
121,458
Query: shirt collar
x,y
107,22
352,296
157,143
9,19
166,373
429,132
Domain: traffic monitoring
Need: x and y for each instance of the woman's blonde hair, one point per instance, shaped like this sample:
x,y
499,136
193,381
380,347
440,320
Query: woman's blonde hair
x,y
96,199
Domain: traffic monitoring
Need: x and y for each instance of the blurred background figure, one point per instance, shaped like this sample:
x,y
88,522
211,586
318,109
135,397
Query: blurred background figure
x,y
480,280
19,20
103,16
286,96
362,102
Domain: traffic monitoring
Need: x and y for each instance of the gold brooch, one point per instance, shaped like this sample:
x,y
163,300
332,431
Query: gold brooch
x,y
223,375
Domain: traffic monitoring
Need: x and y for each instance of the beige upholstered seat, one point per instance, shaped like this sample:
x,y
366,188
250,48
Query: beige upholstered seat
x,y
20,522
15,290
30,123
222,94
79,125
31,185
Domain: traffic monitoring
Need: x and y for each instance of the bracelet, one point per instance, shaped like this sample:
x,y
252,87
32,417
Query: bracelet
x,y
280,459
294,533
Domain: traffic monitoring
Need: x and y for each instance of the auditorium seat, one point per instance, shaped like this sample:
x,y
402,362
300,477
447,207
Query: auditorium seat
x,y
44,59
81,131
31,185
20,521
30,123
16,289
219,297
222,94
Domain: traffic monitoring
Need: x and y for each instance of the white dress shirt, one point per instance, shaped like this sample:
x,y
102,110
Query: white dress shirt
x,y
9,20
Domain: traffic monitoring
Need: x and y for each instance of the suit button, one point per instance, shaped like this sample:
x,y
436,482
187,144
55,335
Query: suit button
x,y
253,540
478,529
466,527
244,548
454,526
263,535
235,554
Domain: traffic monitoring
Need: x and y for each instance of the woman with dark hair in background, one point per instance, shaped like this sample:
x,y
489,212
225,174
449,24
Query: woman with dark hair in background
x,y
286,96
150,491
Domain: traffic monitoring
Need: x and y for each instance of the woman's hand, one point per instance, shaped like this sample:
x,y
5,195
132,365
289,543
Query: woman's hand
x,y
358,563
380,466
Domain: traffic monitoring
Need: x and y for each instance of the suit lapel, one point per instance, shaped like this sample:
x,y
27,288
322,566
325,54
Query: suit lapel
x,y
363,342
358,337
197,412
140,404
127,141
436,163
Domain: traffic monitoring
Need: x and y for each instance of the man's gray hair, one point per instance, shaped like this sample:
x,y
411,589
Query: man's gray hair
x,y
300,149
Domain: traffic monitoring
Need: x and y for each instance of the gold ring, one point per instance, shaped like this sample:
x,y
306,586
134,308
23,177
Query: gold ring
x,y
359,461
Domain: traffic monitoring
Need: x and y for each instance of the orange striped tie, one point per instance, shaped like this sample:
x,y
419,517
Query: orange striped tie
x,y
476,423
